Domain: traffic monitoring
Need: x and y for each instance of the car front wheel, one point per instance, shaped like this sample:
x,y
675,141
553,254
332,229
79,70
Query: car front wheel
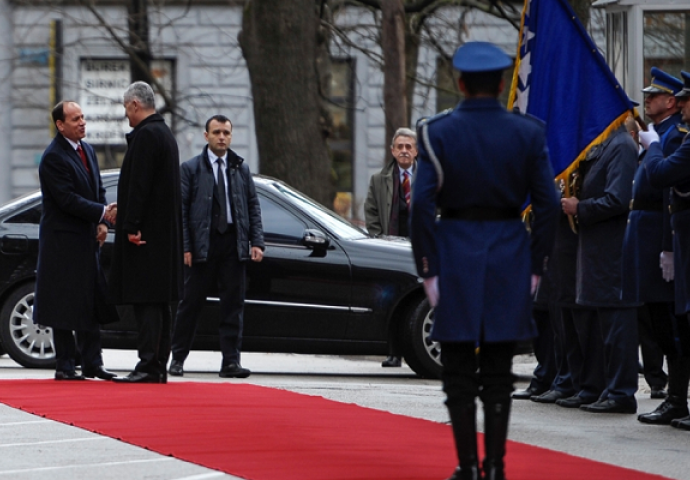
x,y
422,354
28,344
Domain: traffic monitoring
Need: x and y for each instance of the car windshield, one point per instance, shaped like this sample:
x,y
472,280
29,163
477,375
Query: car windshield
x,y
332,221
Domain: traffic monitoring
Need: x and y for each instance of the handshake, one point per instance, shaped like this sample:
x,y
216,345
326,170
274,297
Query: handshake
x,y
111,213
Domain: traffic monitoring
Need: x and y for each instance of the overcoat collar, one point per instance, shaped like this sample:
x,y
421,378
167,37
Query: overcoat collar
x,y
483,103
155,117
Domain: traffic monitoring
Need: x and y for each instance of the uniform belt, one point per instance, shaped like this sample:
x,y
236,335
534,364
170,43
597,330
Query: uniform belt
x,y
642,205
678,205
480,213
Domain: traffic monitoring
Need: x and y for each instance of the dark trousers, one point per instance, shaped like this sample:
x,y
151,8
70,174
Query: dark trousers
x,y
67,344
467,375
672,334
563,381
551,372
584,351
649,318
154,321
619,332
545,371
223,270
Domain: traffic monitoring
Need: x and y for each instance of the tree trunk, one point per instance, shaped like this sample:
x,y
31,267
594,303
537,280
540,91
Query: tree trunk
x,y
138,22
411,62
279,42
394,85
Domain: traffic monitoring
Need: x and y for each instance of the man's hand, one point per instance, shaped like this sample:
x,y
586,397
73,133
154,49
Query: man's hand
x,y
666,264
111,213
257,254
648,137
188,258
101,233
569,205
535,284
136,239
431,289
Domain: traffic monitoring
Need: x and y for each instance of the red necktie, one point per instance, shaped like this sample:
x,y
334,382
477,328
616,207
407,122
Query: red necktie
x,y
406,187
82,154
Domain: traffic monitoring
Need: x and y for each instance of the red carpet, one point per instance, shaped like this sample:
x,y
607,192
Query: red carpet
x,y
262,433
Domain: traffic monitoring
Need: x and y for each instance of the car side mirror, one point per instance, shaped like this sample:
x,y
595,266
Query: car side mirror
x,y
315,239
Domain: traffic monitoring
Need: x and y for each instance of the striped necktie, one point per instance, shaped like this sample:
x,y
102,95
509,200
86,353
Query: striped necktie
x,y
406,187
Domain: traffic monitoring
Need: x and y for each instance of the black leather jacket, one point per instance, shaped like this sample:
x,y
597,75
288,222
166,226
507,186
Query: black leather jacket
x,y
196,177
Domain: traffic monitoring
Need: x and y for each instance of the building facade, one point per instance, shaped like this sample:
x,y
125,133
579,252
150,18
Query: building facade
x,y
64,50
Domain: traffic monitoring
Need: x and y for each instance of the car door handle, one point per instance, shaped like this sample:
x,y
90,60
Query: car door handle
x,y
14,244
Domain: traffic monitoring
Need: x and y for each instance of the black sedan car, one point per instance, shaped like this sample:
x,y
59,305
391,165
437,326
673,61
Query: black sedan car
x,y
323,287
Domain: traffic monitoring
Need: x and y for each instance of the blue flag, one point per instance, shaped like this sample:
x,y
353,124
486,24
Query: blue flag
x,y
561,78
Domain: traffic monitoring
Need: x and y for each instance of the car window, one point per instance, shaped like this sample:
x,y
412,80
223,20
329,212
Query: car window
x,y
340,227
280,225
111,193
31,215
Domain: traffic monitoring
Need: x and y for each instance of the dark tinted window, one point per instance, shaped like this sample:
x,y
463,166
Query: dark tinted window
x,y
32,215
280,226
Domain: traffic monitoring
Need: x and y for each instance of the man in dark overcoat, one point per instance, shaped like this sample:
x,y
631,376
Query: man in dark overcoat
x,y
602,212
674,171
648,235
222,230
386,209
70,231
147,259
480,266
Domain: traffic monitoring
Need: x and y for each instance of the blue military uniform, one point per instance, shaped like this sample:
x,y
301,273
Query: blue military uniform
x,y
674,171
648,231
479,249
481,274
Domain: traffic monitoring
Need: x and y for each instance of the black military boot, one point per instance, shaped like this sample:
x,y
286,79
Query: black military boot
x,y
464,422
496,417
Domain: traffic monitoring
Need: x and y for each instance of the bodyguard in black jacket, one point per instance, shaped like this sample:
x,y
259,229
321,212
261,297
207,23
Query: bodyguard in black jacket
x,y
221,217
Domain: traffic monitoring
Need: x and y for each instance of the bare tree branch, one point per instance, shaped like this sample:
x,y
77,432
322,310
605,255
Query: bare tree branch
x,y
170,104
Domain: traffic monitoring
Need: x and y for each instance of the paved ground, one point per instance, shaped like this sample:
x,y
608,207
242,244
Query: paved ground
x,y
35,448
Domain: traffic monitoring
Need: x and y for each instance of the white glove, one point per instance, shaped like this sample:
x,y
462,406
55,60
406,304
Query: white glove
x,y
666,264
535,283
648,137
431,289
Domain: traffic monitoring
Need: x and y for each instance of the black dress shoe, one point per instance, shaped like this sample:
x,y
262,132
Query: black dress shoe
x,y
575,401
233,370
682,423
140,377
68,376
98,372
548,397
471,473
609,406
176,368
658,392
391,361
671,408
528,393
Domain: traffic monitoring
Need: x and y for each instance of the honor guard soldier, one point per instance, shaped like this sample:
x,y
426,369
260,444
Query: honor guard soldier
x,y
674,171
478,262
648,234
